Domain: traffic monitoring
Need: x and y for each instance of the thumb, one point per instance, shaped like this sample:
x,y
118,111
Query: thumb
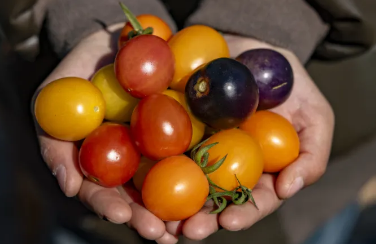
x,y
62,159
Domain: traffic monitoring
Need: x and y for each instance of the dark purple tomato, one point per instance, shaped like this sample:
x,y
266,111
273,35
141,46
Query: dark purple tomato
x,y
273,75
222,94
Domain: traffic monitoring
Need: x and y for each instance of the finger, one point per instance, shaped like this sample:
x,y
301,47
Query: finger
x,y
202,224
147,224
175,227
105,202
143,221
167,239
315,144
62,159
240,217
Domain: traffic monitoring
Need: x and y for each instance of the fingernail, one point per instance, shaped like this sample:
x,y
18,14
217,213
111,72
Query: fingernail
x,y
60,174
295,186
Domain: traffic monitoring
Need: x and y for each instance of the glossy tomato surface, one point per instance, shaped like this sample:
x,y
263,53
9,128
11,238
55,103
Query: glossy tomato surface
x,y
161,127
108,156
69,108
144,66
143,169
198,128
278,139
222,94
175,189
244,158
119,103
193,46
273,75
160,28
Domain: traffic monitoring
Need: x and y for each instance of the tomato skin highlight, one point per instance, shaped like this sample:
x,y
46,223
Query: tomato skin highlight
x,y
144,66
108,156
198,128
119,103
175,189
193,46
278,139
160,28
244,158
69,108
161,127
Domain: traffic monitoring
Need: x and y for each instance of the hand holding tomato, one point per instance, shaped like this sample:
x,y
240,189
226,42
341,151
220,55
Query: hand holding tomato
x,y
119,204
312,117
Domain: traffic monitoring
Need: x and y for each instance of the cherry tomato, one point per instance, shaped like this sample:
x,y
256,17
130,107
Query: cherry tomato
x,y
144,66
69,108
180,86
119,103
198,128
193,46
161,127
108,156
175,189
278,139
244,158
143,169
160,28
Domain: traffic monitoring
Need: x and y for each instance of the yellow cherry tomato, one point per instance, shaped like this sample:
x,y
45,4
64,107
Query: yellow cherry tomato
x,y
69,108
143,169
198,128
119,103
193,46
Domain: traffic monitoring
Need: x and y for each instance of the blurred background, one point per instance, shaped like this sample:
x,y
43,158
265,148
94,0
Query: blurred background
x,y
340,208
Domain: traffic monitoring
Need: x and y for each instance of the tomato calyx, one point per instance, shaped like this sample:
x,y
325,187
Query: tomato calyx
x,y
138,30
219,197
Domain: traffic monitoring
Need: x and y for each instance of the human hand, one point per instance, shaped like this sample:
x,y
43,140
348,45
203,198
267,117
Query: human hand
x,y
313,119
118,205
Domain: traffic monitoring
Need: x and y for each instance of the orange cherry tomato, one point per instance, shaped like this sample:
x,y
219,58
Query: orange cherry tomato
x,y
198,128
193,46
160,28
277,137
69,108
143,169
244,159
175,188
180,86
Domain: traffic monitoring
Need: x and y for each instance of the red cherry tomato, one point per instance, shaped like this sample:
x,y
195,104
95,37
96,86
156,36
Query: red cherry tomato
x,y
161,127
277,137
145,65
108,156
175,189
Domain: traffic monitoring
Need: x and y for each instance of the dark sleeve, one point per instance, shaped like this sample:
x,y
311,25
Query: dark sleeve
x,y
290,24
68,21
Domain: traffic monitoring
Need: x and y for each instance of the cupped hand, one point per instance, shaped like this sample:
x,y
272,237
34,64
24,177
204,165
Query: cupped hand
x,y
313,119
118,205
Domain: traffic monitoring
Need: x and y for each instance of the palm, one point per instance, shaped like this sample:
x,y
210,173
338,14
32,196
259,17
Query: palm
x,y
312,118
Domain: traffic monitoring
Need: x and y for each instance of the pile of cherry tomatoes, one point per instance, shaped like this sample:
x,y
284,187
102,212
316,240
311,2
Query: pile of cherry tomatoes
x,y
178,116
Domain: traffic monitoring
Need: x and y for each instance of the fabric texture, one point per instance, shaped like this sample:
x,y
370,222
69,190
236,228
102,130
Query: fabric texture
x,y
69,21
290,24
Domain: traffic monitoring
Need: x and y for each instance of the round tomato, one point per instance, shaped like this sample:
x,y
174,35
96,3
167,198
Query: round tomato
x,y
119,103
175,189
278,139
143,169
144,66
108,155
160,28
244,159
198,128
161,127
69,108
193,46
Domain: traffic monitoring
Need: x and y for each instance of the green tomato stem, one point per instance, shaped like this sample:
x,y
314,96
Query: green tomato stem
x,y
131,18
